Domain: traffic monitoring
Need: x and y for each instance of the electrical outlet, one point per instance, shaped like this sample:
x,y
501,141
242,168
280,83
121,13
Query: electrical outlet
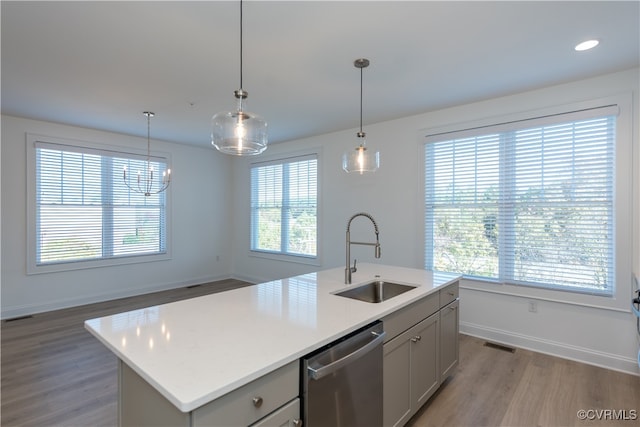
x,y
533,306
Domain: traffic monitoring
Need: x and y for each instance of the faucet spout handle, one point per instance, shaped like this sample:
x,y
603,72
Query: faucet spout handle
x,y
354,268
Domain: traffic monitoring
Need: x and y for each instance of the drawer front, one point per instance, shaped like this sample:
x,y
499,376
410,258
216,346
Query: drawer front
x,y
401,320
448,294
253,401
288,415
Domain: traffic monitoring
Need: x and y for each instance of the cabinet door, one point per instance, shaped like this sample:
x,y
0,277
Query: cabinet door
x,y
449,346
425,375
287,416
396,407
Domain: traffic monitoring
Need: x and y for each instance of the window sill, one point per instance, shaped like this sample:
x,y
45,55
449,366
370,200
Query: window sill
x,y
82,265
613,303
286,258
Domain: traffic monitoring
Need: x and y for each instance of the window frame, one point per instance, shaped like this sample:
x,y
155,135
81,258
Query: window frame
x,y
281,256
623,196
32,266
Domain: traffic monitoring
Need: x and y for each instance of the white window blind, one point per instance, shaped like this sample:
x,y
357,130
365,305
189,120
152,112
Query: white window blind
x,y
528,202
284,206
85,212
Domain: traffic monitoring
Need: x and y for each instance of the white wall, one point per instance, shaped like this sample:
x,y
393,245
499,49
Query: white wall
x,y
200,214
394,196
211,218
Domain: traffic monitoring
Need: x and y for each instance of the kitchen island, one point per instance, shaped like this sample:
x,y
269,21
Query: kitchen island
x,y
194,352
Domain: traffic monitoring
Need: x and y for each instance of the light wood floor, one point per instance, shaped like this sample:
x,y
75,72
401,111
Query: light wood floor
x,y
494,387
54,373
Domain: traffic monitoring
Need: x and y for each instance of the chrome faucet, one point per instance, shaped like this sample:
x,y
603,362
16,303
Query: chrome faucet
x,y
348,269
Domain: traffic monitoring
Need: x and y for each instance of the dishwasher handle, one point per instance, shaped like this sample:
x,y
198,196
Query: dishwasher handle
x,y
322,371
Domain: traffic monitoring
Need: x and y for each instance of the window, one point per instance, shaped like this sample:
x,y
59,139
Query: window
x,y
527,202
83,212
284,206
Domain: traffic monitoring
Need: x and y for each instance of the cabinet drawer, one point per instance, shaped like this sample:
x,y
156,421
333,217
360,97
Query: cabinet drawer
x,y
448,294
288,415
401,320
237,408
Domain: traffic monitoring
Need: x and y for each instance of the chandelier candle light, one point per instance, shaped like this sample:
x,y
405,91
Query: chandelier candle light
x,y
239,132
361,160
145,184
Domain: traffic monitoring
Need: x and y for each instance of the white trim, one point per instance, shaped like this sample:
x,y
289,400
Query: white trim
x,y
542,294
306,154
616,99
33,139
120,149
553,348
544,119
274,256
623,196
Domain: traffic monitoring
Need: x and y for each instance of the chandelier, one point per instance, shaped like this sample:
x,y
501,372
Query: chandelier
x,y
239,132
145,182
361,159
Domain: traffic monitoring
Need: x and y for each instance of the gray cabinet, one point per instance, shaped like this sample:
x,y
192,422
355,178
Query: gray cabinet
x,y
410,373
396,408
420,352
271,400
425,376
449,345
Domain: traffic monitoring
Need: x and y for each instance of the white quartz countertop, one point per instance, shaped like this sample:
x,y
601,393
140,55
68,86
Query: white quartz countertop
x,y
196,350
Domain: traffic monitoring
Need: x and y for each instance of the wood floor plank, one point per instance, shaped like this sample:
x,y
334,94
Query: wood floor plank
x,y
529,389
528,397
55,373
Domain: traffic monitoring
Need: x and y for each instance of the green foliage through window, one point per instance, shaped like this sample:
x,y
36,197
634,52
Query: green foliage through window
x,y
284,207
530,205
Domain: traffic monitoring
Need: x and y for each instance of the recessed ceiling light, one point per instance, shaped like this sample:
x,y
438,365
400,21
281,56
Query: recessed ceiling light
x,y
586,45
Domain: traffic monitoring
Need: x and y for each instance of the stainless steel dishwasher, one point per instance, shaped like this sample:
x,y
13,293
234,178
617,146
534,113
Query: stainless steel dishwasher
x,y
342,382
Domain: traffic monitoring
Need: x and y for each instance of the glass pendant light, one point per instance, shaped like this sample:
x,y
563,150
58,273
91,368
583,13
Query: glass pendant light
x,y
239,132
361,159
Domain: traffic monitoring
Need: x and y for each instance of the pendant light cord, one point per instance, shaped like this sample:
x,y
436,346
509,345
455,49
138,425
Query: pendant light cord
x,y
360,100
361,63
240,44
149,114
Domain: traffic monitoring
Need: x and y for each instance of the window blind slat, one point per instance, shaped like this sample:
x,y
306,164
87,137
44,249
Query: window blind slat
x,y
284,206
527,205
84,211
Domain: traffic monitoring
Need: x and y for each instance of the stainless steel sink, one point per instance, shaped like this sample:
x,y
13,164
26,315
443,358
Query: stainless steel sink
x,y
376,291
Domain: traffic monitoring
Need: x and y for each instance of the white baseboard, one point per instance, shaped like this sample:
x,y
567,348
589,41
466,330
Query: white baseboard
x,y
250,279
30,309
614,362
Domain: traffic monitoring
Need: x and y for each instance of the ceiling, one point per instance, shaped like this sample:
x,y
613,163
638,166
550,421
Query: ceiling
x,y
101,64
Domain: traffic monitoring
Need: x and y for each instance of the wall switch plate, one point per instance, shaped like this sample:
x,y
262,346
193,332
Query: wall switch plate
x,y
533,306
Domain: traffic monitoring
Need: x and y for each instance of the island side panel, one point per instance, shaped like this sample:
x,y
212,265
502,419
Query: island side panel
x,y
141,405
